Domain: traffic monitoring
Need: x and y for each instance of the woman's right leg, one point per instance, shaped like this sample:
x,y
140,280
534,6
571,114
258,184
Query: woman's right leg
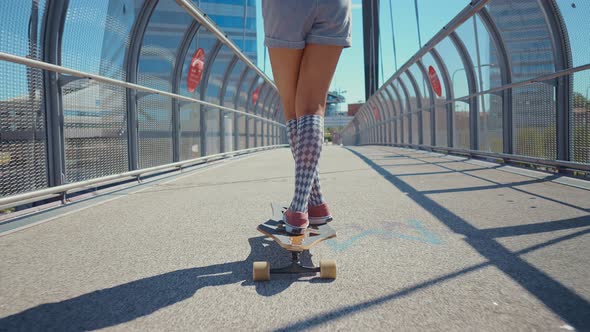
x,y
317,70
285,63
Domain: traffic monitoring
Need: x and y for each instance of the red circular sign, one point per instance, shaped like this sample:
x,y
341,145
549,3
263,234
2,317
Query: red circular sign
x,y
376,113
196,70
255,95
436,86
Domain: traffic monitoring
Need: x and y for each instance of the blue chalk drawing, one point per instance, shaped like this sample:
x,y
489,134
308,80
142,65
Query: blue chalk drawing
x,y
387,232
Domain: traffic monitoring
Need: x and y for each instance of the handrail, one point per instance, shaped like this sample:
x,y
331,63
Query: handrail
x,y
15,200
465,14
63,70
193,11
538,79
559,164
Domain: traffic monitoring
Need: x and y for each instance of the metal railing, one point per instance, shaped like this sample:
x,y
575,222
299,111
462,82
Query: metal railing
x,y
92,100
503,79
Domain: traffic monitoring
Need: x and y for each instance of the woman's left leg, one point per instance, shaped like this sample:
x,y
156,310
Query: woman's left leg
x,y
316,72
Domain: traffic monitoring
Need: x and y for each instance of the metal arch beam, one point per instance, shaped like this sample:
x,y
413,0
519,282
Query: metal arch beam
x,y
409,106
270,129
272,109
368,134
377,104
472,86
132,65
203,110
389,98
432,104
418,103
448,92
248,103
363,127
52,34
266,113
381,122
263,108
222,91
505,75
399,115
391,119
384,115
473,7
262,93
185,43
562,54
192,9
236,100
373,121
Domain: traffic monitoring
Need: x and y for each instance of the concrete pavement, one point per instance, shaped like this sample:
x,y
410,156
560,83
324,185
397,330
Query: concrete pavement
x,y
425,242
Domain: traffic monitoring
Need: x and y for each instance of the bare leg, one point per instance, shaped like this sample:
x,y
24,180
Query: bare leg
x,y
317,70
315,75
285,63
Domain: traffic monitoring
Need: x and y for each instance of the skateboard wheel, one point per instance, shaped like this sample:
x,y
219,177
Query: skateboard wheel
x,y
261,271
328,269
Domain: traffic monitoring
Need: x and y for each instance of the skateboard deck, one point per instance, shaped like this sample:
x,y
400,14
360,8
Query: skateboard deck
x,y
296,244
275,228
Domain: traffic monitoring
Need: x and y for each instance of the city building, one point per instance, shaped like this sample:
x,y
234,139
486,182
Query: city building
x,y
354,108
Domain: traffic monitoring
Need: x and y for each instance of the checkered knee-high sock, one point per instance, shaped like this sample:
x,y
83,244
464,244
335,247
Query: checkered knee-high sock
x,y
310,136
315,196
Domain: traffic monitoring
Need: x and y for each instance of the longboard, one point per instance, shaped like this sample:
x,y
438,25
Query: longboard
x,y
275,228
296,244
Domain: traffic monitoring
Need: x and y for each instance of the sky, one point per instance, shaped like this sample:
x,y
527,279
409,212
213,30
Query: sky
x,y
349,76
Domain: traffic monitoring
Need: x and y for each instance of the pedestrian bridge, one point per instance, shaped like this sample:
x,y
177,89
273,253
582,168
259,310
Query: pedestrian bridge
x,y
130,198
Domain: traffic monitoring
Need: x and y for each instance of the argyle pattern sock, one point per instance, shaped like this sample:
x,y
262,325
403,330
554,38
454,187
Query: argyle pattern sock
x,y
315,196
310,136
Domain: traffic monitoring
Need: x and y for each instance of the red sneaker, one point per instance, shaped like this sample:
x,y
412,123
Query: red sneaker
x,y
319,214
295,222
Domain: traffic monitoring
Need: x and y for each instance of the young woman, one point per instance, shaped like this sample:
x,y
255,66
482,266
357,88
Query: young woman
x,y
305,39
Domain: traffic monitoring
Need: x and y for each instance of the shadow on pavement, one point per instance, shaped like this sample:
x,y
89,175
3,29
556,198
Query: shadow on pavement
x,y
126,302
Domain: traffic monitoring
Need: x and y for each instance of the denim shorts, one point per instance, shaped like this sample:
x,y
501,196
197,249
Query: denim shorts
x,y
295,23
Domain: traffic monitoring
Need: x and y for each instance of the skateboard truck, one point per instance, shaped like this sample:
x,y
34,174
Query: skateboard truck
x,y
295,266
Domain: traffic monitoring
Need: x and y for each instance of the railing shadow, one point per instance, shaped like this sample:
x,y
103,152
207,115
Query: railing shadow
x,y
563,301
123,303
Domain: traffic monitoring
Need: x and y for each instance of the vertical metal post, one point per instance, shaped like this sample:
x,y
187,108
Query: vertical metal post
x,y
418,95
398,136
432,105
131,66
210,62
185,43
380,108
506,77
449,93
248,104
263,110
222,92
408,112
262,93
236,101
472,86
52,33
562,54
391,118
